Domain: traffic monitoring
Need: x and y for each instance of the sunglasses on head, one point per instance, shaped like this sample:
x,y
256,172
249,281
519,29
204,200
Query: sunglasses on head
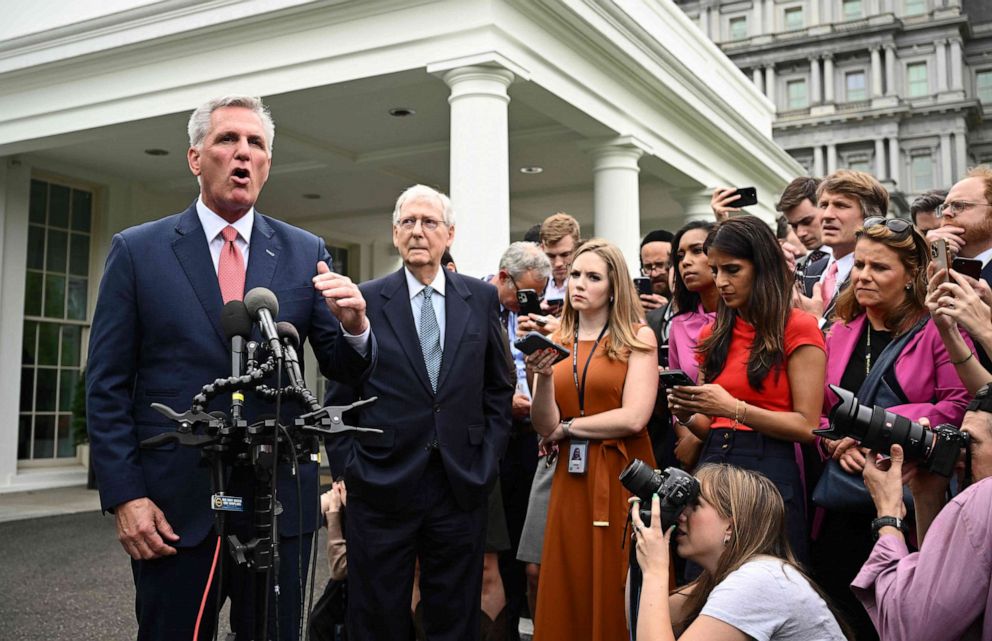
x,y
895,225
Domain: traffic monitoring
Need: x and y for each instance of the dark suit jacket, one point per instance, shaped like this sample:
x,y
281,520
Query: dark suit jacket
x,y
156,337
469,415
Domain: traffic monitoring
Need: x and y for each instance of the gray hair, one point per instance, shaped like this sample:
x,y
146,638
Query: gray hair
x,y
199,120
423,192
523,257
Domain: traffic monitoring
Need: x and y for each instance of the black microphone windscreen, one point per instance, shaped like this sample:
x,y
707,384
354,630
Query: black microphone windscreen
x,y
234,320
287,330
261,298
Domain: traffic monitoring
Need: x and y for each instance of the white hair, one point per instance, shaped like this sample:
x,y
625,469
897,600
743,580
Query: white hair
x,y
523,257
199,120
423,192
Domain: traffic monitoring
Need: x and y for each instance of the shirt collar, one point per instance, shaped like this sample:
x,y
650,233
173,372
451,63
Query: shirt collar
x,y
985,256
414,286
213,224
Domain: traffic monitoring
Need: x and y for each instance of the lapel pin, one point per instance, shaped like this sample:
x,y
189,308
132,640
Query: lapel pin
x,y
269,252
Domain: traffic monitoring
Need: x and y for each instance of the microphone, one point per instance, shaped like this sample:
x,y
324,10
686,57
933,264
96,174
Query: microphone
x,y
291,340
263,306
236,323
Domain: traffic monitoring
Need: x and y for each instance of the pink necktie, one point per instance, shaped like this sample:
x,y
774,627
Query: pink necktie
x,y
830,282
231,267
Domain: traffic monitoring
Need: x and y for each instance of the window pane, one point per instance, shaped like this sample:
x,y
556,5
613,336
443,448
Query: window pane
x,y
852,9
922,173
67,449
82,205
738,28
36,247
71,339
58,207
44,437
915,7
67,389
38,201
32,294
27,349
917,73
48,381
797,94
983,85
54,296
27,389
77,299
794,18
79,254
855,86
48,344
58,246
24,436
859,165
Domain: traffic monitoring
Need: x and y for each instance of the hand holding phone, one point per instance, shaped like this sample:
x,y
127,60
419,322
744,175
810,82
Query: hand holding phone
x,y
529,301
536,341
746,197
938,249
643,286
968,267
671,377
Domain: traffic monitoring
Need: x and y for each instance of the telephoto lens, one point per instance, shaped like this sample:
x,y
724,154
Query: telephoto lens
x,y
675,488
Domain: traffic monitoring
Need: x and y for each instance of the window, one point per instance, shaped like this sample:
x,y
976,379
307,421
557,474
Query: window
x,y
915,7
55,313
922,167
852,9
983,85
916,79
738,28
794,18
859,163
796,91
855,83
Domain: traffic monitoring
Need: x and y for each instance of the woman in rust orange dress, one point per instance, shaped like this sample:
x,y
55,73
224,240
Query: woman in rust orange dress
x,y
595,404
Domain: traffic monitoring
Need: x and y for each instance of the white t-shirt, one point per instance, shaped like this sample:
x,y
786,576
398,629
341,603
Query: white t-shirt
x,y
768,600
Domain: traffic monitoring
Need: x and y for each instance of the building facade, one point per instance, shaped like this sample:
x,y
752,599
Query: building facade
x,y
899,88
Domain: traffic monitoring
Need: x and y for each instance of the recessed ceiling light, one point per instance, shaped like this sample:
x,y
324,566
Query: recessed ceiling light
x,y
534,169
157,152
402,112
312,196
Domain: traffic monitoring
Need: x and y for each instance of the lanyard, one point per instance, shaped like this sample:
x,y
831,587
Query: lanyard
x,y
581,389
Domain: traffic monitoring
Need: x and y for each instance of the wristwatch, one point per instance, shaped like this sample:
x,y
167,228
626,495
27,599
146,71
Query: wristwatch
x,y
566,427
886,521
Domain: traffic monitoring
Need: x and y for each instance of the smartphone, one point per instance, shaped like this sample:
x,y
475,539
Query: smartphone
x,y
672,377
968,267
748,197
529,302
938,249
555,305
643,286
535,341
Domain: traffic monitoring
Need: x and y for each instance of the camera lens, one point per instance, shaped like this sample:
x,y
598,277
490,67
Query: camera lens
x,y
641,480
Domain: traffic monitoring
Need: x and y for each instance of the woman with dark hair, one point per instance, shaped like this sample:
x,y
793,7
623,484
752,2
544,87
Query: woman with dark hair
x,y
884,348
751,586
596,403
762,365
695,297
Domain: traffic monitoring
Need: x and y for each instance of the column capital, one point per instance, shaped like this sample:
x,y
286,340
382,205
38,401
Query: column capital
x,y
891,46
478,80
621,152
940,41
770,65
495,63
827,55
955,40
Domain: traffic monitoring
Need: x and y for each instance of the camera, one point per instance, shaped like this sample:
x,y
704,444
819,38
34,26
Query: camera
x,y
938,449
674,487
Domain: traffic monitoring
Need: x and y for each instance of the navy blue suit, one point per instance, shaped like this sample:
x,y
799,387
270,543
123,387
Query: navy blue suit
x,y
156,337
408,498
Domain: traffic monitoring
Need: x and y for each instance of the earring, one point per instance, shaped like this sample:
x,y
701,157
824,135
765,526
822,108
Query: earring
x,y
726,540
611,299
909,286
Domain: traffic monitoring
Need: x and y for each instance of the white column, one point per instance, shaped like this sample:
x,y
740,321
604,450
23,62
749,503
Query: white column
x,y
770,84
758,79
946,172
814,81
957,64
879,159
769,16
818,161
704,21
695,205
757,17
890,70
479,176
813,18
831,158
894,160
960,154
876,73
616,197
941,65
828,79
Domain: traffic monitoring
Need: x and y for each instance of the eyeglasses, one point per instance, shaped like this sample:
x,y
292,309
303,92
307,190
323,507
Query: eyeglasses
x,y
957,207
429,224
649,268
517,287
895,225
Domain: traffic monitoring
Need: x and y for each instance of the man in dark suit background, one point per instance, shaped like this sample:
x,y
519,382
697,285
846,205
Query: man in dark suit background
x,y
157,337
444,392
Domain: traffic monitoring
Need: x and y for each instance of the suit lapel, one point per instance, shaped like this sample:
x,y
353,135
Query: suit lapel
x,y
263,256
190,247
456,315
398,313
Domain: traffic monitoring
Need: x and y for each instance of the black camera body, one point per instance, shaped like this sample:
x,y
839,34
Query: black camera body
x,y
937,449
676,489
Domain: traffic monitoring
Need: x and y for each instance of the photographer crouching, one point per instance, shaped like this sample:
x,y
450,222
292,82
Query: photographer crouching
x,y
945,590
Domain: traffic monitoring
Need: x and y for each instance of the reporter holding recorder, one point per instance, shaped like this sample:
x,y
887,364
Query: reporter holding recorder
x,y
596,403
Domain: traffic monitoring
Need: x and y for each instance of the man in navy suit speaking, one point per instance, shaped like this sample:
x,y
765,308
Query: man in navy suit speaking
x,y
444,389
157,337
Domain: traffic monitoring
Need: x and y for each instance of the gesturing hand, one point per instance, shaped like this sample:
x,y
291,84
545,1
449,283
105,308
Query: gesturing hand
x,y
343,298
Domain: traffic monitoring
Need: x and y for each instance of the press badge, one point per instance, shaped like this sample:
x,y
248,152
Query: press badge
x,y
578,457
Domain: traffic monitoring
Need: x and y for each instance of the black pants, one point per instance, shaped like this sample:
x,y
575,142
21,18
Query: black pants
x,y
841,548
516,475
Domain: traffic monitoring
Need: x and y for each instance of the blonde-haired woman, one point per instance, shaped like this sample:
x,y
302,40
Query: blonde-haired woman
x,y
597,403
751,586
